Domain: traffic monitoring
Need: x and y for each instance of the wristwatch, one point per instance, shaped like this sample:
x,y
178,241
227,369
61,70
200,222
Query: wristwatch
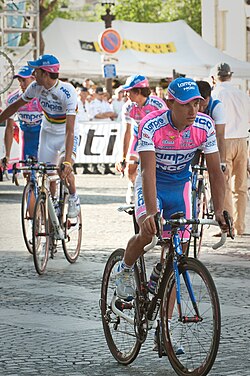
x,y
223,167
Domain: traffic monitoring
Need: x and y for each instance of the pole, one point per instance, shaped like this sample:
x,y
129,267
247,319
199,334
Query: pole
x,y
108,18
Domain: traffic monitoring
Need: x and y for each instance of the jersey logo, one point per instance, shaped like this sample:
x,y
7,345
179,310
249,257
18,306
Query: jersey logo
x,y
186,134
65,91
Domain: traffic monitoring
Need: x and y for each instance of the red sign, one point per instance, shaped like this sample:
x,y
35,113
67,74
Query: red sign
x,y
110,41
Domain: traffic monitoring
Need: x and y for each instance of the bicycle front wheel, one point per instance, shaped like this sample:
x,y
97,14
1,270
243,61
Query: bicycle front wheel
x,y
73,233
120,333
195,335
40,235
28,202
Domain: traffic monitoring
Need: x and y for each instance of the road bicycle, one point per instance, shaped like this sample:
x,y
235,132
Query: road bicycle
x,y
185,305
201,204
51,223
29,196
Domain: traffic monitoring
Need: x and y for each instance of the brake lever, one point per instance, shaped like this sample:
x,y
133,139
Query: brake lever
x,y
157,219
14,173
229,223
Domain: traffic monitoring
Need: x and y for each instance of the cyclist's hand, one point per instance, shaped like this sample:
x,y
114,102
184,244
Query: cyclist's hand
x,y
65,170
148,226
225,221
120,166
4,162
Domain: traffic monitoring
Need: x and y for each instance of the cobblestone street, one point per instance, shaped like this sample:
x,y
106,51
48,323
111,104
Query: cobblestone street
x,y
51,325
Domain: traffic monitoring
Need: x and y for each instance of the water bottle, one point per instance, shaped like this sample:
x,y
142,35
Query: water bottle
x,y
153,280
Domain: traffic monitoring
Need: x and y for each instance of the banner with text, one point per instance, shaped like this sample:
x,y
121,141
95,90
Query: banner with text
x,y
100,142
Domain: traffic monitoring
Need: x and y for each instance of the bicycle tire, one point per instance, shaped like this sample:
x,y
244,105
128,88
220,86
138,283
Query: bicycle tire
x,y
202,211
120,335
26,220
40,238
8,71
200,340
73,233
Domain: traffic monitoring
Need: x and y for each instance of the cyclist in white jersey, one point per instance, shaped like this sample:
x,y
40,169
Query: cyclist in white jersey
x,y
59,132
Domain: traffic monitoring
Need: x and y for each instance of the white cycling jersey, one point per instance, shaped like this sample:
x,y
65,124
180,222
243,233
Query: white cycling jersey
x,y
57,102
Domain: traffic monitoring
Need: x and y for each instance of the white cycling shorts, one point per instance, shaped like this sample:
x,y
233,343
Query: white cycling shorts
x,y
52,147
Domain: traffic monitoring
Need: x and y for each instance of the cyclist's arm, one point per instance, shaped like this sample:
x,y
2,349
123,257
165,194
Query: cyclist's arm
x,y
220,131
126,140
11,109
217,185
8,137
148,173
69,137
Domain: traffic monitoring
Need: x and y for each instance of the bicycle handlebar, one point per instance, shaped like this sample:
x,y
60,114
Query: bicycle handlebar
x,y
183,221
32,164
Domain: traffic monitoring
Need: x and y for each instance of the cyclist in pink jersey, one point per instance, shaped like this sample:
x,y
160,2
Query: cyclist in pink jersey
x,y
29,119
167,142
140,104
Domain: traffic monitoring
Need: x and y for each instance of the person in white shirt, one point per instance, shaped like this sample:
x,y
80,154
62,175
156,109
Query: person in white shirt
x,y
83,117
118,101
100,109
237,109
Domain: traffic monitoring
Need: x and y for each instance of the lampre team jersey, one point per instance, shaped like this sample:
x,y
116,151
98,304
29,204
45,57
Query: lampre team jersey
x,y
57,102
175,149
30,115
131,111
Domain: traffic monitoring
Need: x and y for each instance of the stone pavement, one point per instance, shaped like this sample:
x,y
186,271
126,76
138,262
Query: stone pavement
x,y
51,325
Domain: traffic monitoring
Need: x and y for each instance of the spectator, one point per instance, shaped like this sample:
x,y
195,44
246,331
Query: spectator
x,y
159,92
215,109
237,109
87,83
100,109
83,117
118,101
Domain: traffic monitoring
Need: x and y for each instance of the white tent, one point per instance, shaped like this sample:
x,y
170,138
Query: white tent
x,y
150,49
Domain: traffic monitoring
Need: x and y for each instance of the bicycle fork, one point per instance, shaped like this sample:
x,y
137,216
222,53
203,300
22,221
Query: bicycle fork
x,y
180,269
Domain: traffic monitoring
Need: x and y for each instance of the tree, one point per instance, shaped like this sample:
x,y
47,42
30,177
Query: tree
x,y
160,11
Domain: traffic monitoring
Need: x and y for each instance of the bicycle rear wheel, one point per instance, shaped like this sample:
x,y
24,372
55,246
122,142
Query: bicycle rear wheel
x,y
73,233
202,212
199,338
120,334
40,235
27,215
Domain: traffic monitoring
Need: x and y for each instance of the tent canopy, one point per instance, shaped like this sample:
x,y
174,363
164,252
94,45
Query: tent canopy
x,y
154,50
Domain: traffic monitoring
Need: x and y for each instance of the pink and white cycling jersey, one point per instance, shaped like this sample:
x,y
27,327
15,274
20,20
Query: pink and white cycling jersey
x,y
30,115
131,110
175,149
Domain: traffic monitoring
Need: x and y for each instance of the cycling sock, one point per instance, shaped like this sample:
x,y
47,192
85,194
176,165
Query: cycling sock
x,y
123,265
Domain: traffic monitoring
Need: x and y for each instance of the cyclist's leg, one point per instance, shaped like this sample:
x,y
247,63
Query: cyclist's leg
x,y
131,169
73,200
48,151
174,199
30,150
